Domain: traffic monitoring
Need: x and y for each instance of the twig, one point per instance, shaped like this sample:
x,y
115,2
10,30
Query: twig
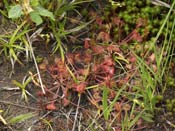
x,y
36,65
75,119
79,127
160,3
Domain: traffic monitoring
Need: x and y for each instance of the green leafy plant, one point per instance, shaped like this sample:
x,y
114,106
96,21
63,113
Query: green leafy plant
x,y
22,86
31,8
12,45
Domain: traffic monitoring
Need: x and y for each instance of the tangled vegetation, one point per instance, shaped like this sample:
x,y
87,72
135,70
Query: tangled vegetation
x,y
99,65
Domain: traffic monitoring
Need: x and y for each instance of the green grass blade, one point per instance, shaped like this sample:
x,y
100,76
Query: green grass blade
x,y
72,74
78,28
21,118
136,118
16,31
108,108
27,81
17,84
105,102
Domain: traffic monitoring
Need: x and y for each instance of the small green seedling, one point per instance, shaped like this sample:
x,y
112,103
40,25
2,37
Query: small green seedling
x,y
22,86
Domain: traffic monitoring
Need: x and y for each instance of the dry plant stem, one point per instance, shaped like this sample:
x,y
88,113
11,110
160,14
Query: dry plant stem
x,y
4,122
160,3
36,65
14,104
94,121
79,127
76,115
61,97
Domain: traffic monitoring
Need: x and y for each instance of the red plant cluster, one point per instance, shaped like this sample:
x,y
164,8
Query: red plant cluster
x,y
104,72
92,65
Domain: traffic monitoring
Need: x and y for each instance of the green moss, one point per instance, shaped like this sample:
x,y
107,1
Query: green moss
x,y
154,16
170,81
169,106
173,101
167,101
159,97
174,110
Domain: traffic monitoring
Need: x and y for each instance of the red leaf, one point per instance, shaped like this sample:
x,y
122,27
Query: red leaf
x,y
108,61
117,20
103,36
80,88
86,43
66,102
40,93
136,36
109,70
87,57
99,20
108,82
113,48
97,49
51,106
132,59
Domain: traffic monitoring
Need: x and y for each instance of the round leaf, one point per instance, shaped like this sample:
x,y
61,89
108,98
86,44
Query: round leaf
x,y
35,17
15,11
44,12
